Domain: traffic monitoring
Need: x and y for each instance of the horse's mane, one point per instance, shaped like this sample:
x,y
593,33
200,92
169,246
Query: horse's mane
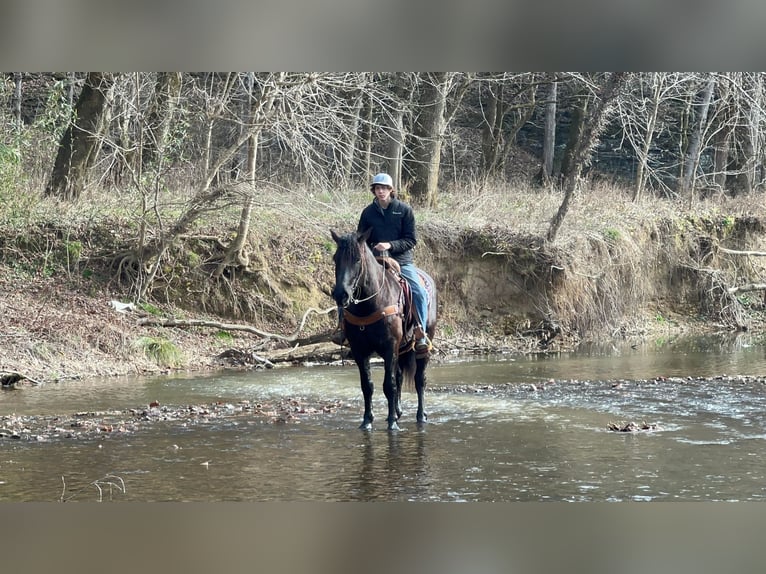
x,y
352,251
348,253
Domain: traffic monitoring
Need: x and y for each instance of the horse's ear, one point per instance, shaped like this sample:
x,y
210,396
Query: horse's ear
x,y
335,236
364,235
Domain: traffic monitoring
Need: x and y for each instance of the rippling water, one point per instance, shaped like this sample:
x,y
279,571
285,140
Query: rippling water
x,y
508,435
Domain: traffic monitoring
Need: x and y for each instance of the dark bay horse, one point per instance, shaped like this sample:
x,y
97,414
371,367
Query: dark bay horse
x,y
377,320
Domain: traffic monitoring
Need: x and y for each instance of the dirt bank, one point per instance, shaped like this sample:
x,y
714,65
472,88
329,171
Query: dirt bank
x,y
65,313
53,331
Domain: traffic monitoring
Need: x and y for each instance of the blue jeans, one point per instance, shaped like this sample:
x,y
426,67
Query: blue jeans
x,y
419,295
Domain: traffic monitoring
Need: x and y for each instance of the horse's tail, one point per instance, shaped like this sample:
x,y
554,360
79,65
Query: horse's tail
x,y
408,365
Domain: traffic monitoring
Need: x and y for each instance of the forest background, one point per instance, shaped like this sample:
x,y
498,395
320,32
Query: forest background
x,y
151,221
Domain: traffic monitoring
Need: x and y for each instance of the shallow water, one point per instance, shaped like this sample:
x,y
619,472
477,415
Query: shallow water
x,y
498,431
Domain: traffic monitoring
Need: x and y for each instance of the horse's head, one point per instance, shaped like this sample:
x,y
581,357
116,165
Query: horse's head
x,y
348,264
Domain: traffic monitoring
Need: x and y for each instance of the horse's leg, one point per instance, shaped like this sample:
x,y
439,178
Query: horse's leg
x,y
420,387
390,390
367,389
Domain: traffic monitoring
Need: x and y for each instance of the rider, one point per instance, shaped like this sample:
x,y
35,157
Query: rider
x,y
393,230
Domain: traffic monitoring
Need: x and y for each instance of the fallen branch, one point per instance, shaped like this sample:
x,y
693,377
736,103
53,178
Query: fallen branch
x,y
10,378
733,252
748,287
233,326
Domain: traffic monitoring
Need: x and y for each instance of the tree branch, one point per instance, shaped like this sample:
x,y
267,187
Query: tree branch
x,y
733,252
747,287
234,326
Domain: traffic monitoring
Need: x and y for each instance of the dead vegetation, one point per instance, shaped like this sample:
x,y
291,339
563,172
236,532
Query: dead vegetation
x,y
617,269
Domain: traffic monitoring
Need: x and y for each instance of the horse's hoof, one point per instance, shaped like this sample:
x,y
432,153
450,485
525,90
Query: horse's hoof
x,y
422,418
365,426
392,426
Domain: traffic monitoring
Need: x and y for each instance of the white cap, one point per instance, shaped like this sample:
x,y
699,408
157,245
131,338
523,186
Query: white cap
x,y
383,179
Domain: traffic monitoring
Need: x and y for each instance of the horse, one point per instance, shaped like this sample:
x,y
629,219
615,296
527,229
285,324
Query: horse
x,y
379,319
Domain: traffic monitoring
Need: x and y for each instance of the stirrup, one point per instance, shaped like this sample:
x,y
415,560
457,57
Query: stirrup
x,y
423,344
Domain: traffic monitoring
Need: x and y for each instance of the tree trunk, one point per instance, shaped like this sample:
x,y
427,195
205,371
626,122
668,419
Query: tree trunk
x,y
260,107
491,133
428,135
549,135
166,95
592,126
691,161
81,142
579,110
396,148
348,147
751,147
651,122
402,91
725,121
368,134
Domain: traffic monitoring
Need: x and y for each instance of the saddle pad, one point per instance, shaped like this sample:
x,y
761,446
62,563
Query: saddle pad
x,y
426,282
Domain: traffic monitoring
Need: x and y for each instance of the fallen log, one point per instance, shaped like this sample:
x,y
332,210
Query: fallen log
x,y
747,287
734,252
10,379
247,328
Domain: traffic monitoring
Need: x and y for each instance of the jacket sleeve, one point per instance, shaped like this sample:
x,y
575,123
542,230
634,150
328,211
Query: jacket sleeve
x,y
363,223
408,238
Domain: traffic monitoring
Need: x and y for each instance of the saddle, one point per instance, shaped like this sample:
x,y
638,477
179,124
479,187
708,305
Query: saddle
x,y
411,333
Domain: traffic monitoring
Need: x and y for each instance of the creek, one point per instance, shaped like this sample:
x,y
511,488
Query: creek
x,y
501,428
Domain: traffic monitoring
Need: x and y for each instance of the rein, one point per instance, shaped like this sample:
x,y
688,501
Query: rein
x,y
378,314
356,284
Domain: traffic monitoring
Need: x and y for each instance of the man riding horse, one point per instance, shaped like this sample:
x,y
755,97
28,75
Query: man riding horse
x,y
392,231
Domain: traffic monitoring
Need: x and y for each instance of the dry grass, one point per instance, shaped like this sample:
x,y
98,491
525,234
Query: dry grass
x,y
619,261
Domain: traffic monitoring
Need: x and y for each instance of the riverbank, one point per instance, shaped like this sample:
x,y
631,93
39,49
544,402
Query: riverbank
x,y
53,331
70,310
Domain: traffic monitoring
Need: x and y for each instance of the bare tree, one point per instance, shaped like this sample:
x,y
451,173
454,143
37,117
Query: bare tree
x,y
504,96
641,117
593,124
751,140
261,107
579,108
433,112
395,109
691,161
657,84
164,103
81,142
549,132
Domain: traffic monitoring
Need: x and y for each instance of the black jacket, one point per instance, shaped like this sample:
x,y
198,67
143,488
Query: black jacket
x,y
395,225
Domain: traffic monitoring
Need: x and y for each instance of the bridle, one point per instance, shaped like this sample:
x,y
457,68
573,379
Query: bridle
x,y
358,278
376,315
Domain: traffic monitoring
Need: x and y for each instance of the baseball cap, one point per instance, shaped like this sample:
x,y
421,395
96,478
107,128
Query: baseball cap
x,y
382,179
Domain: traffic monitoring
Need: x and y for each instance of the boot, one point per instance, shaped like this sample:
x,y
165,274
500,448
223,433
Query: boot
x,y
338,337
422,342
